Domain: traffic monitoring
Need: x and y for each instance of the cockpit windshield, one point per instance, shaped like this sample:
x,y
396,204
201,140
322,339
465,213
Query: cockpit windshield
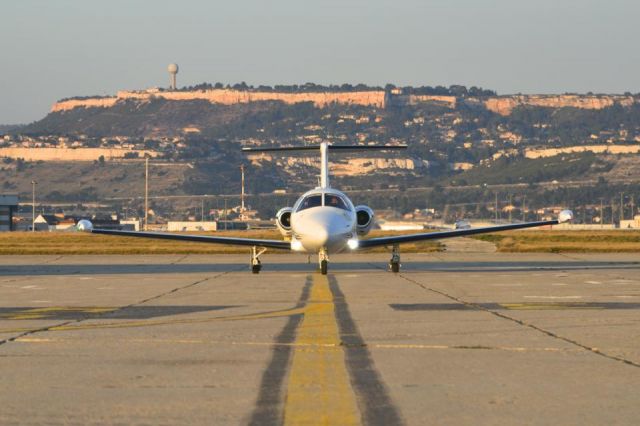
x,y
332,200
314,200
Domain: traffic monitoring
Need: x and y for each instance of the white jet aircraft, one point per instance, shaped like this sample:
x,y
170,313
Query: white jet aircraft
x,y
325,221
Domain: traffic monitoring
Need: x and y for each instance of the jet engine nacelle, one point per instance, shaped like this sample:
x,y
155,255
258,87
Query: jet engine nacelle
x,y
283,221
364,219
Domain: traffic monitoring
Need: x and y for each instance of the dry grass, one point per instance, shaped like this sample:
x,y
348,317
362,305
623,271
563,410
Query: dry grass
x,y
565,241
21,243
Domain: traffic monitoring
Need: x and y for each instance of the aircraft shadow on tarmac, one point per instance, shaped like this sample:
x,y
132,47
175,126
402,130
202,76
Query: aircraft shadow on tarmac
x,y
78,313
64,313
460,267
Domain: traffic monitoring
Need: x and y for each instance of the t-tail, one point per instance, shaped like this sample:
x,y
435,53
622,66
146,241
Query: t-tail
x,y
324,148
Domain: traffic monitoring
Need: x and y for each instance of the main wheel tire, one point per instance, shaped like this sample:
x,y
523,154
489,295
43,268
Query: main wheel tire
x,y
324,266
255,268
395,266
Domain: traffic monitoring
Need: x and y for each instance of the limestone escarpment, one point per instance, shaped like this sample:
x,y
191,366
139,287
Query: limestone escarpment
x,y
231,97
72,154
84,103
504,105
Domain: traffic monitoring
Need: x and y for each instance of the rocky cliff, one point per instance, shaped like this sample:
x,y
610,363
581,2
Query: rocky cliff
x,y
71,154
85,103
231,97
504,105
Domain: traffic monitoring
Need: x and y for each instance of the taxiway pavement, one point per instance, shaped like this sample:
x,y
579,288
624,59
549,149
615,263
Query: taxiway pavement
x,y
455,338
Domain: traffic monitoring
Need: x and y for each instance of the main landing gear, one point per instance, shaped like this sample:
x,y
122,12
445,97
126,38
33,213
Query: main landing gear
x,y
323,258
394,263
255,259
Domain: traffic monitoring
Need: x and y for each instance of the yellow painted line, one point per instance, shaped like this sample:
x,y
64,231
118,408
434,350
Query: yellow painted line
x,y
300,345
151,323
25,317
319,391
43,313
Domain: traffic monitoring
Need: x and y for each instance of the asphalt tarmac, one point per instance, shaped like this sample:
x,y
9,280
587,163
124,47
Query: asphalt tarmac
x,y
455,338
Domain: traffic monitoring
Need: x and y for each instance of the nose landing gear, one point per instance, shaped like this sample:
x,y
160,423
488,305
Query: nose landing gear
x,y
255,259
394,263
323,258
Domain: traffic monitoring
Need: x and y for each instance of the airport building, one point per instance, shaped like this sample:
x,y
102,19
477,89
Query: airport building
x,y
631,224
185,226
60,222
8,205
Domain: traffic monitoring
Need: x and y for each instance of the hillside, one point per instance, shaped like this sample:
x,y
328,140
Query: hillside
x,y
457,137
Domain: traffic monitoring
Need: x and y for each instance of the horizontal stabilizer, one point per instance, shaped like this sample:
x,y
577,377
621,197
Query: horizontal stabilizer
x,y
342,148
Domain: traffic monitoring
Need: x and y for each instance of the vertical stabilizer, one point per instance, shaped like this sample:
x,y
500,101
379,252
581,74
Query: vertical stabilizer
x,y
324,153
324,165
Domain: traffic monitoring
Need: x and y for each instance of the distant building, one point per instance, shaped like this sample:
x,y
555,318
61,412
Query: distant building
x,y
8,205
59,222
387,225
247,214
130,224
228,225
46,222
631,224
191,226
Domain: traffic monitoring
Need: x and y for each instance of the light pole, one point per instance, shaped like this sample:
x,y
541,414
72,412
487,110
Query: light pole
x,y
242,193
146,193
33,205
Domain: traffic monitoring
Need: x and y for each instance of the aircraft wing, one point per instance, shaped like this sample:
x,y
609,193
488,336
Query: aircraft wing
x,y
276,244
399,239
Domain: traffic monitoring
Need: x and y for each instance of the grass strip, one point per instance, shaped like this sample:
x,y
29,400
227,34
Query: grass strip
x,y
25,243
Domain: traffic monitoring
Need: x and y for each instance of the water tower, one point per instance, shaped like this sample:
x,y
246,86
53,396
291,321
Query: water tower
x,y
173,70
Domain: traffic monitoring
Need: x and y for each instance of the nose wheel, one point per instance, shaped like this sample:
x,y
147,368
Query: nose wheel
x,y
256,265
323,258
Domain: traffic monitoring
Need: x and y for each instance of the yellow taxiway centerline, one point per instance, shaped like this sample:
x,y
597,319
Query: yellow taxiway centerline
x,y
319,390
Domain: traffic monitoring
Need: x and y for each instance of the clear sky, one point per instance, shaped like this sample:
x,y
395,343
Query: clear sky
x,y
54,49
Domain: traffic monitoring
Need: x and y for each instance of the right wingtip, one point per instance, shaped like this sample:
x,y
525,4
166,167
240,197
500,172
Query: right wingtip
x,y
84,226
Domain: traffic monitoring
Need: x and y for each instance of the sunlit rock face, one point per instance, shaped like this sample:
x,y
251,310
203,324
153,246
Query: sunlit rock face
x,y
504,105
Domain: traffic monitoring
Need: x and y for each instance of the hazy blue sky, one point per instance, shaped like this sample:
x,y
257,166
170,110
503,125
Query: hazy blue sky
x,y
54,49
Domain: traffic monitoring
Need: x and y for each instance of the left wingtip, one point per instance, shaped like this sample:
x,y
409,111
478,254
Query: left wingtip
x,y
565,216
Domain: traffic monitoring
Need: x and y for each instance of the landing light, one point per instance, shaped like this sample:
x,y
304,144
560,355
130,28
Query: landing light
x,y
352,243
296,245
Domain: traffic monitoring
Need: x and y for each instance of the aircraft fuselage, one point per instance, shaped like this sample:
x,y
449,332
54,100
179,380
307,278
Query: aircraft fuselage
x,y
323,219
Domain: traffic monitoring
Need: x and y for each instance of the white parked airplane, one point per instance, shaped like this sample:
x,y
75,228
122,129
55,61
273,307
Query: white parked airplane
x,y
325,221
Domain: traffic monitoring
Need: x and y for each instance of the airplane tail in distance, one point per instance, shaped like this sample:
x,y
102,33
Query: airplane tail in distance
x,y
342,148
324,148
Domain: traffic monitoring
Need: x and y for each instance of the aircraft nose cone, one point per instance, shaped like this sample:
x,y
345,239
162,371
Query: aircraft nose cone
x,y
319,237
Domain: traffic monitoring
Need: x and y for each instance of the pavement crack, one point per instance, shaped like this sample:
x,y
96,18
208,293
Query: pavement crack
x,y
53,260
180,259
107,314
549,333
